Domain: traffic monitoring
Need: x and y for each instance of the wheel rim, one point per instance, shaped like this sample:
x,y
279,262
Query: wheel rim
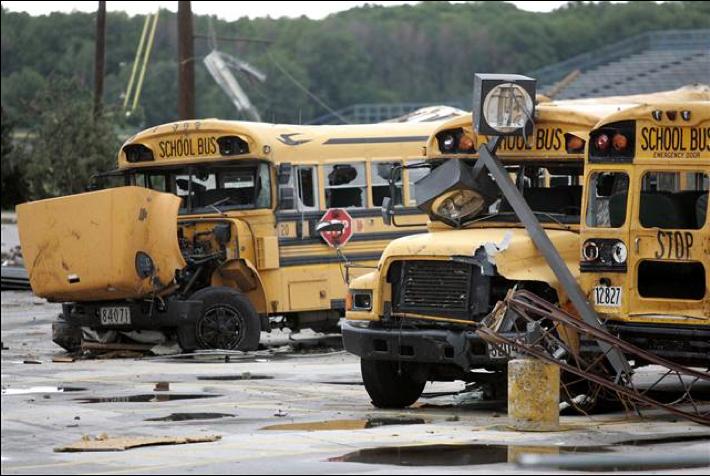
x,y
219,328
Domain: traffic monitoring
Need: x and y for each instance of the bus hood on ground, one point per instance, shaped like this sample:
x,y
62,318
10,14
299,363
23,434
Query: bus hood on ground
x,y
93,246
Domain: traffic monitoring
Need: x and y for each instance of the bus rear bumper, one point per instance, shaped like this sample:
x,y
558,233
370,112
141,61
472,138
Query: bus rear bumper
x,y
176,314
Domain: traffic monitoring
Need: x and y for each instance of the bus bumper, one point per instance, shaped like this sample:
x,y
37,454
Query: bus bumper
x,y
176,314
461,348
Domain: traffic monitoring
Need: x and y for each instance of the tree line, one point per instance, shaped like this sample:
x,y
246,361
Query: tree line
x,y
411,53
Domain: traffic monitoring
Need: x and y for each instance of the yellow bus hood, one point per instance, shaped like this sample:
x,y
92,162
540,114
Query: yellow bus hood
x,y
511,250
83,247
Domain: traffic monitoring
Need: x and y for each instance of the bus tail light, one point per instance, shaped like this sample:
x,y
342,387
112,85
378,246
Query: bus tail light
x,y
602,143
671,115
349,301
604,255
466,143
619,253
574,144
455,141
620,142
448,143
613,143
590,251
685,115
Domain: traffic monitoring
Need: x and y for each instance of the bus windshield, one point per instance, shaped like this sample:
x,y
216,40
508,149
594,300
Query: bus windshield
x,y
552,191
209,189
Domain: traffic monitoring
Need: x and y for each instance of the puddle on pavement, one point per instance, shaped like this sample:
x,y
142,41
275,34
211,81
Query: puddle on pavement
x,y
25,391
455,455
191,416
148,397
242,376
361,424
664,440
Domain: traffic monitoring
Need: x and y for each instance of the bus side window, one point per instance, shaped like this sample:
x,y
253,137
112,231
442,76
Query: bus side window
x,y
157,182
608,195
380,182
346,186
307,186
672,201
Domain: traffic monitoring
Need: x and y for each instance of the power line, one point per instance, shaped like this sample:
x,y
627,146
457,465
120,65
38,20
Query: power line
x,y
305,90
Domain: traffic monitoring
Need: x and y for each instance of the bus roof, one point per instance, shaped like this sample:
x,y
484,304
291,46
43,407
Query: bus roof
x,y
189,142
666,132
559,119
575,116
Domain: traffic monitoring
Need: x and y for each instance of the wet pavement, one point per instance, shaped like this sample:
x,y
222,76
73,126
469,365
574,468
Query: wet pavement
x,y
300,412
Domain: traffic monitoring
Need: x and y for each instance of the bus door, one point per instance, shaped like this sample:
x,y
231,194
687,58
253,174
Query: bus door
x,y
605,235
670,239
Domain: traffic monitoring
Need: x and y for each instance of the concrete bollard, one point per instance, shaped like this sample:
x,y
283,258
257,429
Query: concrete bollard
x,y
533,395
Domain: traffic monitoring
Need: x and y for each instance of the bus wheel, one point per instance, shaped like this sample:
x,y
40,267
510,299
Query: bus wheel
x,y
227,321
389,387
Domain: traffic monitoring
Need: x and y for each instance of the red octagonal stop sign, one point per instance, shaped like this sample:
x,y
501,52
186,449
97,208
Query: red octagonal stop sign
x,y
336,216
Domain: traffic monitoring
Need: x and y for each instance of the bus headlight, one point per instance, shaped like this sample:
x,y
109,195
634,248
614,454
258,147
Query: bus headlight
x,y
360,300
458,204
619,253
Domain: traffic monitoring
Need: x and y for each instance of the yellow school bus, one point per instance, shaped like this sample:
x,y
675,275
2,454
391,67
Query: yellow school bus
x,y
413,319
645,260
212,229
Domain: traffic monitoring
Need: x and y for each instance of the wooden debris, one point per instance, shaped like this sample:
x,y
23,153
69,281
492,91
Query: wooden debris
x,y
104,442
162,387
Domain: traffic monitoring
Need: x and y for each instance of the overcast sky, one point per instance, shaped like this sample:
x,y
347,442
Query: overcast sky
x,y
230,10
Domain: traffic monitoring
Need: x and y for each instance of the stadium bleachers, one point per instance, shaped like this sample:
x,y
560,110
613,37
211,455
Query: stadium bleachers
x,y
648,63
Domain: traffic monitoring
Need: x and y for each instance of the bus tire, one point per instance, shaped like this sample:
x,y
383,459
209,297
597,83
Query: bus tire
x,y
66,335
387,386
227,321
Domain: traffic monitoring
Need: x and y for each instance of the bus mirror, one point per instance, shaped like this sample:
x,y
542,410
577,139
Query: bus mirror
x,y
387,210
285,172
287,198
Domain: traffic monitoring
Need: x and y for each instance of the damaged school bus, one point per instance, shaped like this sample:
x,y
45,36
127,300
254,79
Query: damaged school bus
x,y
645,260
414,319
210,229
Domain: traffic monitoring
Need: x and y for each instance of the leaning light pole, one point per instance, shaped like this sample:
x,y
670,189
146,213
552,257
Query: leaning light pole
x,y
504,105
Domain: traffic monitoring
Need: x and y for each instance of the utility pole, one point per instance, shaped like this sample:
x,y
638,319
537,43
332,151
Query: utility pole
x,y
100,58
186,63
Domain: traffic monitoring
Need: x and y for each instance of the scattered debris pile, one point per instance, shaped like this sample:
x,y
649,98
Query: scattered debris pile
x,y
104,442
546,333
14,276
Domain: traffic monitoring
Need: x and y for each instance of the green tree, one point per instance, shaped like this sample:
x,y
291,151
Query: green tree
x,y
67,144
14,188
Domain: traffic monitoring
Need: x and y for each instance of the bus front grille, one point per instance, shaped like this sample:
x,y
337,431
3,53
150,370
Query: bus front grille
x,y
437,288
